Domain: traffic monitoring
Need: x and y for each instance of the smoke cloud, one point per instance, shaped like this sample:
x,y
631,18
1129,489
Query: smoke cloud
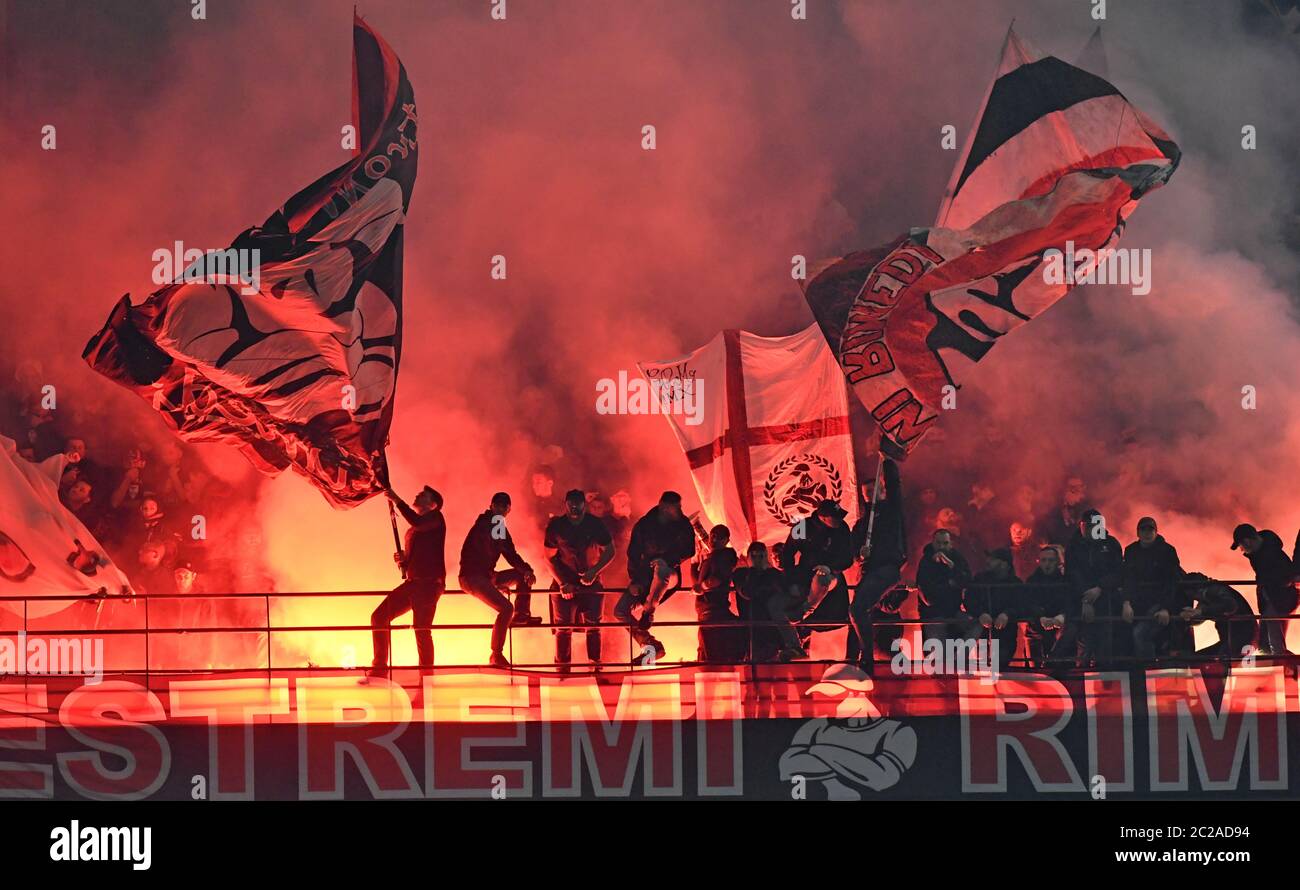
x,y
775,137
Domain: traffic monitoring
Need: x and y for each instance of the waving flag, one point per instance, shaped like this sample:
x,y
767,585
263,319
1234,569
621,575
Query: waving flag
x,y
772,437
294,356
46,551
1056,165
1042,118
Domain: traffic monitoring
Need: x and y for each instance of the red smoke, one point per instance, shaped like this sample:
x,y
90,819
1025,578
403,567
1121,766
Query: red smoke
x,y
775,137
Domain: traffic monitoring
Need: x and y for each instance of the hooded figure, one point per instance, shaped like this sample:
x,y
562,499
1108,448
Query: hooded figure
x,y
816,554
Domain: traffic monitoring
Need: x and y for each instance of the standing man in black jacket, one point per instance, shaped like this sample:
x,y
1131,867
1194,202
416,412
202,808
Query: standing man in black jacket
x,y
764,594
883,554
661,541
424,567
942,576
817,552
713,579
1151,575
578,547
487,541
1275,588
1094,571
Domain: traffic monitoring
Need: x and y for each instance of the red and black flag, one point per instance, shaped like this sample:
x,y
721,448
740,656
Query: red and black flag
x,y
287,343
1057,162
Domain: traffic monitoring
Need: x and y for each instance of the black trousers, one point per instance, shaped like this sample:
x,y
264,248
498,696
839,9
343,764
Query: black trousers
x,y
833,610
488,589
872,586
416,595
582,609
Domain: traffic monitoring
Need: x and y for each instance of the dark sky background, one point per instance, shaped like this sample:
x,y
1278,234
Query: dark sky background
x,y
775,137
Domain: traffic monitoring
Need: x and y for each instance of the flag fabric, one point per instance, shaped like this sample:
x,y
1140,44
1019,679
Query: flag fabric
x,y
1057,164
772,439
45,550
1040,119
295,363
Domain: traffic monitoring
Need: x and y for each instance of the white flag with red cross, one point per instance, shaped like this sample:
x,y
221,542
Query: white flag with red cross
x,y
772,439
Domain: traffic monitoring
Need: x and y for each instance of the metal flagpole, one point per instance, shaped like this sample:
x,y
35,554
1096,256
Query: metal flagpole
x,y
875,495
381,467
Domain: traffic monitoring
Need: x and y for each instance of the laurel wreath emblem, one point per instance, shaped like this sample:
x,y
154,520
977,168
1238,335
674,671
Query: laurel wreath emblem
x,y
779,470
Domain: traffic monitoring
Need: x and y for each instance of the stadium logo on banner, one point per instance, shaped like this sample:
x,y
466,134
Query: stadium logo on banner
x,y
796,485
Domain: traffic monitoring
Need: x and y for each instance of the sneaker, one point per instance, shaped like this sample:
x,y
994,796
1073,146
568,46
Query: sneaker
x,y
499,661
658,647
525,619
373,673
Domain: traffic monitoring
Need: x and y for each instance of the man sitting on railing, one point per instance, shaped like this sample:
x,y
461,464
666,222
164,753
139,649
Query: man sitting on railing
x,y
486,543
661,541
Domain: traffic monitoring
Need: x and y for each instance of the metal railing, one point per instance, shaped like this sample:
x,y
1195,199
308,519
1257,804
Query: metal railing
x,y
149,629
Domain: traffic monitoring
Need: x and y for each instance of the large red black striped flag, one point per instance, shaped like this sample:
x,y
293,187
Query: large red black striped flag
x,y
1058,160
297,363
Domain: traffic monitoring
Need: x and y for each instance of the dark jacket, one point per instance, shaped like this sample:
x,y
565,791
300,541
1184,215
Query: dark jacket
x,y
941,585
889,536
482,549
1046,596
577,546
820,545
756,588
989,593
1151,576
1217,600
1274,571
426,541
1092,562
714,585
673,542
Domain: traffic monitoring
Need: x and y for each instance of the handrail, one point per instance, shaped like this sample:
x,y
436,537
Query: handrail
x,y
151,628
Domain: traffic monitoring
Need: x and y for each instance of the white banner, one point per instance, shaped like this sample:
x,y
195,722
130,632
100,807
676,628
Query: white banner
x,y
774,437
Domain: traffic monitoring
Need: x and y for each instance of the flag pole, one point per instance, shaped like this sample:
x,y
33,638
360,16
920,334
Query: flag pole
x,y
381,473
875,494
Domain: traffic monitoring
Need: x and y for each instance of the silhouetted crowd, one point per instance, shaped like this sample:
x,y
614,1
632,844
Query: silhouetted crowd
x,y
1087,601
1054,589
151,504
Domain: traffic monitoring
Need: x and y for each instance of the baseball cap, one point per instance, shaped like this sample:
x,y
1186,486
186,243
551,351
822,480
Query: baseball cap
x,y
1241,533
